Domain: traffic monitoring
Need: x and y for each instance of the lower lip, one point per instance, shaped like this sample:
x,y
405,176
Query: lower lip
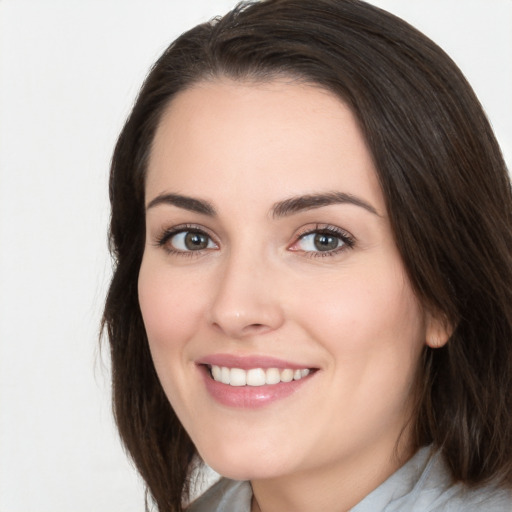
x,y
250,397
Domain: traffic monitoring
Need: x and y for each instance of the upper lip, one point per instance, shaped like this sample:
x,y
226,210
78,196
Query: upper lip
x,y
248,362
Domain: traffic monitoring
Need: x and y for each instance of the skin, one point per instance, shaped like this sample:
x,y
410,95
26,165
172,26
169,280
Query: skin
x,y
258,288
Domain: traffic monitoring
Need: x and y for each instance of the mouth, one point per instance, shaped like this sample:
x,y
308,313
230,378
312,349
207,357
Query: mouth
x,y
252,381
256,377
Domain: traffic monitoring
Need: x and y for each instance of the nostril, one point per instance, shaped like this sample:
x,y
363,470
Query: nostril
x,y
255,329
255,326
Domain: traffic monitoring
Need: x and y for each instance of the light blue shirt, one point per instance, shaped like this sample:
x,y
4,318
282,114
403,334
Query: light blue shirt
x,y
423,484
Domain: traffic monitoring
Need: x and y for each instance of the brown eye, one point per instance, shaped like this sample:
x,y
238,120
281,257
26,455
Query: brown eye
x,y
319,241
326,242
322,241
186,241
195,241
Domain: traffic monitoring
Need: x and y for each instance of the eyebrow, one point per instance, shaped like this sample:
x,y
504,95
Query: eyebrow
x,y
280,209
311,201
185,202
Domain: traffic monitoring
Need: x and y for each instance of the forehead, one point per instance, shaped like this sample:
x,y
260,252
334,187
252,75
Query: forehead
x,y
237,136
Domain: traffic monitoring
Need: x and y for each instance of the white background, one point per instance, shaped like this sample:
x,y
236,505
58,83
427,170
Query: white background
x,y
69,72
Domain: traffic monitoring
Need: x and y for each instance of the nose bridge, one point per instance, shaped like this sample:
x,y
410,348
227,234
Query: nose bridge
x,y
246,300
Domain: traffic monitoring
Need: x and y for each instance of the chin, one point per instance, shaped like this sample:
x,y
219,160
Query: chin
x,y
246,471
239,465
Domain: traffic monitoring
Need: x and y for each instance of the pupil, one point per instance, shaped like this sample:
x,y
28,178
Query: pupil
x,y
325,242
196,241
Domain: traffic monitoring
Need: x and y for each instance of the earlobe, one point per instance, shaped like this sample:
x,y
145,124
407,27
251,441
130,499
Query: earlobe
x,y
439,330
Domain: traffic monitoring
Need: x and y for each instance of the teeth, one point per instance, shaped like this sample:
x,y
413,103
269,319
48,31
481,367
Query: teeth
x,y
287,375
237,377
216,373
272,376
255,376
225,375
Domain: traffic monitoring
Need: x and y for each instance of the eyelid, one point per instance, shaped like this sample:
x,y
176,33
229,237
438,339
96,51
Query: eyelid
x,y
347,239
167,234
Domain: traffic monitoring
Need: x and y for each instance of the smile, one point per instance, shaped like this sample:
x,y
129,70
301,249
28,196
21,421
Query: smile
x,y
255,376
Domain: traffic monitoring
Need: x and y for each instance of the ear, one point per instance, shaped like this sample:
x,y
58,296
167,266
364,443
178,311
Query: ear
x,y
438,330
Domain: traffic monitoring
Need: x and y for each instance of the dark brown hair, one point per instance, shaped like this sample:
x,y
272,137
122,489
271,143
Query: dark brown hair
x,y
448,197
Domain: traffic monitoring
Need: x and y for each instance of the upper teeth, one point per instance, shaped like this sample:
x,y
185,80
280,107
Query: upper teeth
x,y
255,376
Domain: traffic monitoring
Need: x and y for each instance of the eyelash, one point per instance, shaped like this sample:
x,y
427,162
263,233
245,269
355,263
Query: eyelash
x,y
168,234
347,240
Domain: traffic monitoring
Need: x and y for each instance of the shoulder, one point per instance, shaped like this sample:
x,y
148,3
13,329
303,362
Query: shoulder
x,y
436,492
460,498
424,484
224,496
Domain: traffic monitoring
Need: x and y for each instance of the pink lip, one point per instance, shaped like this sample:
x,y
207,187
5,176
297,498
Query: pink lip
x,y
249,397
248,362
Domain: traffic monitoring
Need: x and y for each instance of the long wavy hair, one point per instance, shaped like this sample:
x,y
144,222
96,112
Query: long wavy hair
x,y
447,193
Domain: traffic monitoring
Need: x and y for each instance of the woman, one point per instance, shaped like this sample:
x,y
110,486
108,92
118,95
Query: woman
x,y
312,293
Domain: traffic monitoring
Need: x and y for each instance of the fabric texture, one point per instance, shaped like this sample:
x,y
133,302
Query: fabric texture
x,y
423,484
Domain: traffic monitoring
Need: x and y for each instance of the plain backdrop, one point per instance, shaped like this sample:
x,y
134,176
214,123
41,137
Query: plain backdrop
x,y
69,72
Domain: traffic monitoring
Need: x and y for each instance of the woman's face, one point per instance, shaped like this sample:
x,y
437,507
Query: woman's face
x,y
269,256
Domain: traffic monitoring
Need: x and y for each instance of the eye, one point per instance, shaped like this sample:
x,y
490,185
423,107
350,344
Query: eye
x,y
191,241
186,241
320,242
327,240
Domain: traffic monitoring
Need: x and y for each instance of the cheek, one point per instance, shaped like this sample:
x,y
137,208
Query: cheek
x,y
170,306
371,316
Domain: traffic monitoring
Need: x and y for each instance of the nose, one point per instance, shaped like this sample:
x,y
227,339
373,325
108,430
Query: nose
x,y
246,300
